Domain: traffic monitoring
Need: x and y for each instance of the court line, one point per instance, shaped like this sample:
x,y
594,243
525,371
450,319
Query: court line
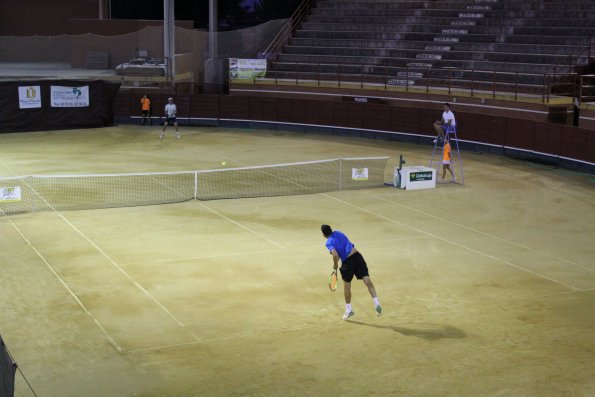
x,y
223,216
113,262
452,242
483,233
258,333
200,257
133,281
70,291
241,225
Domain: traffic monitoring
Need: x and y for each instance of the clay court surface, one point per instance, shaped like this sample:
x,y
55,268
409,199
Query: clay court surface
x,y
488,289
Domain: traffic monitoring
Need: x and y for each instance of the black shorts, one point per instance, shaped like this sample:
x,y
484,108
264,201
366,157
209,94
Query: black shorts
x,y
170,119
354,265
145,112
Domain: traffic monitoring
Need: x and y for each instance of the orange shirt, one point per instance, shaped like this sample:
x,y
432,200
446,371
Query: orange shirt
x,y
446,152
145,103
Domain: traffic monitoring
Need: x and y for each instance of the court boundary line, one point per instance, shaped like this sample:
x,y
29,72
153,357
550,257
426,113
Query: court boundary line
x,y
495,258
114,263
67,287
483,233
200,257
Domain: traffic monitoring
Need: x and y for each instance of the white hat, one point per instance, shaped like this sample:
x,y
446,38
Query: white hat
x,y
170,99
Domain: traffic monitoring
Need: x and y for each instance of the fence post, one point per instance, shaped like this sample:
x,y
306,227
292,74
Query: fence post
x,y
472,81
362,77
548,88
385,79
319,74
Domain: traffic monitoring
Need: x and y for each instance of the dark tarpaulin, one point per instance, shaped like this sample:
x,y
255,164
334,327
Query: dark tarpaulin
x,y
98,114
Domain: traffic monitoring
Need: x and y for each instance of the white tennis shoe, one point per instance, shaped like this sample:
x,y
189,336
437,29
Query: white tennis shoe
x,y
378,309
346,315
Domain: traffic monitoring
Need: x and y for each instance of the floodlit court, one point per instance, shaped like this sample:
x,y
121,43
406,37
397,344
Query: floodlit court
x,y
487,288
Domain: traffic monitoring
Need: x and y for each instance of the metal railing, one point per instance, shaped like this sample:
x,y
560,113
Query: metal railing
x,y
288,29
580,56
586,88
459,81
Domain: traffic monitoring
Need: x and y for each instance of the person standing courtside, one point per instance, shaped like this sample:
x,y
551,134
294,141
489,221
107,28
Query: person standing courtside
x,y
145,105
352,263
170,117
446,160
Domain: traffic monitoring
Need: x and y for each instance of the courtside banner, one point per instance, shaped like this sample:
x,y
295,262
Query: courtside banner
x,y
359,174
10,194
247,68
30,97
69,97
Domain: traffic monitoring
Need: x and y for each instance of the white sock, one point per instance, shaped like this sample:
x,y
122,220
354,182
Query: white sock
x,y
347,307
376,301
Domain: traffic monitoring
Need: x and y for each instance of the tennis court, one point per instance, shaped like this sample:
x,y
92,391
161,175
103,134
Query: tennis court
x,y
487,289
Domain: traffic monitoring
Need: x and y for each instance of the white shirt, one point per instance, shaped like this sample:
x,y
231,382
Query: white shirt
x,y
448,115
171,110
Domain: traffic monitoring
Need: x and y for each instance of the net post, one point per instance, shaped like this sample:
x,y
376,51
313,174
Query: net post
x,y
196,185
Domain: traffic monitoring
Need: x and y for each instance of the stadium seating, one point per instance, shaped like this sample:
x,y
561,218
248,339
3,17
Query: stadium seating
x,y
428,42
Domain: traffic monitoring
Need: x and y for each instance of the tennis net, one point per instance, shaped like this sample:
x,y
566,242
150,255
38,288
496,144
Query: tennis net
x,y
94,191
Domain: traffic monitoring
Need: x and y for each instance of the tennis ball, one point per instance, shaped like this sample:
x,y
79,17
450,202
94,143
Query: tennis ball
x,y
223,163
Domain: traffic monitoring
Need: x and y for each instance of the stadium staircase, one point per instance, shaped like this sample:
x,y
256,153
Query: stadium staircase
x,y
429,43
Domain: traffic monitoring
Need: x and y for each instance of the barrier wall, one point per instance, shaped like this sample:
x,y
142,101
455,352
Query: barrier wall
x,y
506,135
29,106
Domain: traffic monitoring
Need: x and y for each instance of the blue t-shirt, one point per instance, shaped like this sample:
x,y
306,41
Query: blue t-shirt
x,y
340,243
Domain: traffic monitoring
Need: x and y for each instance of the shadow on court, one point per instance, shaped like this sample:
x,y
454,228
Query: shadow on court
x,y
425,331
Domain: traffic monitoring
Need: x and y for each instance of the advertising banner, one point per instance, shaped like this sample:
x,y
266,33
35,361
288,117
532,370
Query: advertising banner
x,y
359,174
247,68
30,97
69,97
10,194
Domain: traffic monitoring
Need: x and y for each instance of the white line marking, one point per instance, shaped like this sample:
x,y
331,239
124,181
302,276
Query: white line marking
x,y
453,243
242,226
174,345
482,233
106,256
39,254
196,258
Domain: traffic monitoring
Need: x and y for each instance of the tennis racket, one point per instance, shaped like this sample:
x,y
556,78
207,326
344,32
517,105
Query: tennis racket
x,y
332,281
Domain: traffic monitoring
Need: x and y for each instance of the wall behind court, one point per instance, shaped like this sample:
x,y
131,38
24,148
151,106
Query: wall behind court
x,y
487,133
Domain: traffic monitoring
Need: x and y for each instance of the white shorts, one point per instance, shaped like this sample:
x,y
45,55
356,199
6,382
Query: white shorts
x,y
446,162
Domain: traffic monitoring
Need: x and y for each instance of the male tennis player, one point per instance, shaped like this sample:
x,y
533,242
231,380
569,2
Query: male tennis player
x,y
448,119
352,263
170,117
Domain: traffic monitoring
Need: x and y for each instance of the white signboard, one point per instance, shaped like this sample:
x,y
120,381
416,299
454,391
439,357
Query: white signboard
x,y
412,178
30,97
247,68
69,97
359,174
10,194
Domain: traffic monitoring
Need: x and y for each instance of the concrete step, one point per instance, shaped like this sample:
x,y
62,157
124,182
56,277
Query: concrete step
x,y
423,45
402,62
366,52
324,14
522,30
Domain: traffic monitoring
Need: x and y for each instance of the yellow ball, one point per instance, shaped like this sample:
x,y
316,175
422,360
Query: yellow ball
x,y
223,163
